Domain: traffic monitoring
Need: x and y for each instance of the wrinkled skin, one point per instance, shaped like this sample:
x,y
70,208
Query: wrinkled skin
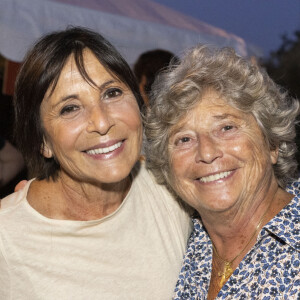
x,y
95,133
219,158
78,117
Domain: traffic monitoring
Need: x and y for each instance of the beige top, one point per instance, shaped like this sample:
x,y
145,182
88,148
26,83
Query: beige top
x,y
134,253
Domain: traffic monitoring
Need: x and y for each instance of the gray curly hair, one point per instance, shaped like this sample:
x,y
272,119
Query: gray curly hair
x,y
242,83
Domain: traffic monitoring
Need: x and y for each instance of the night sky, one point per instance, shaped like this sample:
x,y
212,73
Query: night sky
x,y
260,23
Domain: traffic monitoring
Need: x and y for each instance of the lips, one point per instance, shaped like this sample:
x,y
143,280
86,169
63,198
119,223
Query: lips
x,y
215,177
104,150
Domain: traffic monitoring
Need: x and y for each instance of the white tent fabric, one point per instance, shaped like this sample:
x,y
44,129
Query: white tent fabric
x,y
133,26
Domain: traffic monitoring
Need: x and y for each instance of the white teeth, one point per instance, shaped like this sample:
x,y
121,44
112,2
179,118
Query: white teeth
x,y
105,150
214,177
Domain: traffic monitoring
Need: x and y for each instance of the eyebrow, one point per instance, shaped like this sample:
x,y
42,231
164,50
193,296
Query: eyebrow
x,y
75,96
217,117
72,96
105,84
226,116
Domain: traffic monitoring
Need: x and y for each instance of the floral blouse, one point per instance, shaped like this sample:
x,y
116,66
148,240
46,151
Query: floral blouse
x,y
270,270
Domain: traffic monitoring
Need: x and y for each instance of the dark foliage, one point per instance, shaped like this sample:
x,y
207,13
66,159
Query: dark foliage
x,y
283,66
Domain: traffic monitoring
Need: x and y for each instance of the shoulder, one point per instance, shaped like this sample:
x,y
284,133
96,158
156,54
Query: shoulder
x,y
145,179
157,196
285,225
145,182
15,198
294,187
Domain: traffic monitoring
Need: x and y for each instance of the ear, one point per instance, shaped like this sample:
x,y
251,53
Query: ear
x,y
46,150
274,155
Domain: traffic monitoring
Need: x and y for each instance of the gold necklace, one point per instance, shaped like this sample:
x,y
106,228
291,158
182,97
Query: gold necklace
x,y
227,271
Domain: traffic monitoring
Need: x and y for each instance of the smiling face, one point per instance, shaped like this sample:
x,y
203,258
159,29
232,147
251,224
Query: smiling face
x,y
218,157
95,133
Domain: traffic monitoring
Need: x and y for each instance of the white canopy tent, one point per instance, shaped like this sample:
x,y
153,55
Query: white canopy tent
x,y
133,26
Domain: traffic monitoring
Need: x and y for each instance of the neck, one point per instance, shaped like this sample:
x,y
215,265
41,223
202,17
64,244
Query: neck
x,y
233,235
69,199
239,221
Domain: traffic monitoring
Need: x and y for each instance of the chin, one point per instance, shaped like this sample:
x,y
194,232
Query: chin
x,y
115,177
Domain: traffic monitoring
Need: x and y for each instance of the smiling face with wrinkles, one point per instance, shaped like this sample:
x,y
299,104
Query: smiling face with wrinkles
x,y
218,156
94,132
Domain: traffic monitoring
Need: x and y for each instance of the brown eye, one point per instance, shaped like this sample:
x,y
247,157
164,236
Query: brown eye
x,y
68,109
112,93
227,128
185,140
182,140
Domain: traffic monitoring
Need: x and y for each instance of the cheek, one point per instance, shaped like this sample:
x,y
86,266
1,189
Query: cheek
x,y
259,150
64,136
130,120
130,115
177,163
134,123
185,189
248,147
182,155
253,151
180,169
238,149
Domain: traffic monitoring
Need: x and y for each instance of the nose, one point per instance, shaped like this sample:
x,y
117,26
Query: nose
x,y
99,120
208,150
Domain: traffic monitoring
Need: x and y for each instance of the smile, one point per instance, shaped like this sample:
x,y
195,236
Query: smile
x,y
105,150
215,177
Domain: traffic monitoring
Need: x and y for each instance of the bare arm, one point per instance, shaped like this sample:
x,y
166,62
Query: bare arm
x,y
11,163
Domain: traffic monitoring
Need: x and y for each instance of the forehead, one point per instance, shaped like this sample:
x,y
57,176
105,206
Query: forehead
x,y
211,108
91,65
213,101
212,104
93,73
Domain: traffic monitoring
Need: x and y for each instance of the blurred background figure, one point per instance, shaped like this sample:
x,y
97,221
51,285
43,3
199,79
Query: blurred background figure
x,y
11,162
148,66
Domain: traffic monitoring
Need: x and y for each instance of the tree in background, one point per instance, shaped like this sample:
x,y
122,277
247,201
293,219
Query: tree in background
x,y
283,66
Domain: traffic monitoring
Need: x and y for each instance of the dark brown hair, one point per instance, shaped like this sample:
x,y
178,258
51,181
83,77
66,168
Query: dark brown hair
x,y
41,69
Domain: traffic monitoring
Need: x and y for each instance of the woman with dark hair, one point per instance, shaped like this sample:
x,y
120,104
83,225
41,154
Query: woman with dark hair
x,y
222,136
148,66
92,224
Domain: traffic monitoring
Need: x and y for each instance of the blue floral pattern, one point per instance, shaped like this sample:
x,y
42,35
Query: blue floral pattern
x,y
270,270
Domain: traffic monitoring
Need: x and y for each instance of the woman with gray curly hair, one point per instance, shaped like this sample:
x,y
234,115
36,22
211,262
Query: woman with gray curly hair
x,y
221,135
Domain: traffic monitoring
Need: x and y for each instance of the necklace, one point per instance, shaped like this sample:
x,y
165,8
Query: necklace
x,y
227,271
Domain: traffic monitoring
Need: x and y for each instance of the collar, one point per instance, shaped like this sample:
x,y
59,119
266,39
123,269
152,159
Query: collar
x,y
284,226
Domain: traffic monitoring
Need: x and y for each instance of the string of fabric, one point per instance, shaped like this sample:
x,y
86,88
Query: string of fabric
x,y
227,271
